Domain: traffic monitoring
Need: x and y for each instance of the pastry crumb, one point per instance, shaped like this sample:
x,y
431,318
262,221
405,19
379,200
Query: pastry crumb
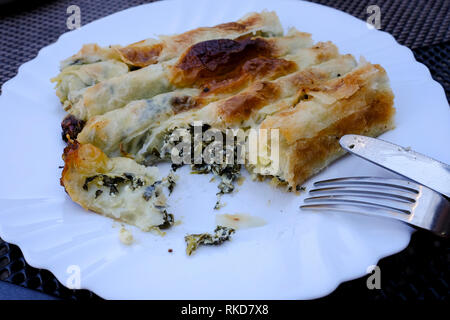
x,y
125,236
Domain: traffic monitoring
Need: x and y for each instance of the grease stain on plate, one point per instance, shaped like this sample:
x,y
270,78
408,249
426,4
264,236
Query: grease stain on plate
x,y
239,221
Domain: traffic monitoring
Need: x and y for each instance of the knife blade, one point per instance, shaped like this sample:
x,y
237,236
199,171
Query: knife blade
x,y
410,164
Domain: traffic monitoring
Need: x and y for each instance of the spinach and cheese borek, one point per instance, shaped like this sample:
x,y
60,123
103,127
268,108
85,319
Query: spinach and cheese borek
x,y
125,104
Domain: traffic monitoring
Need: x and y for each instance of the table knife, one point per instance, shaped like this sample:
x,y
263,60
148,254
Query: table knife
x,y
403,161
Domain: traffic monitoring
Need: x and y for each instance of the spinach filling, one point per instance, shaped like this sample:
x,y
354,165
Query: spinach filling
x,y
81,61
113,182
168,219
171,182
152,191
227,172
221,234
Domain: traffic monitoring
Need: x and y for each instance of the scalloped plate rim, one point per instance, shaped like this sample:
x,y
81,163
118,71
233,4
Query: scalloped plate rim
x,y
34,260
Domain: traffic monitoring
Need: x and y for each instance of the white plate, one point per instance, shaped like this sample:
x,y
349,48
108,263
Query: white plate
x,y
295,255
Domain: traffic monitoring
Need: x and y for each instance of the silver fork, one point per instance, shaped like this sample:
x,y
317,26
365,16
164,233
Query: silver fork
x,y
403,200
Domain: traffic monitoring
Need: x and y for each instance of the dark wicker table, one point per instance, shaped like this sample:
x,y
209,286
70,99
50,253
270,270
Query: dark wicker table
x,y
421,271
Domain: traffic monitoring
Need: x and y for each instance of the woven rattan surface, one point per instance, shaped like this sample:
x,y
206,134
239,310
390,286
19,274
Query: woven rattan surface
x,y
419,272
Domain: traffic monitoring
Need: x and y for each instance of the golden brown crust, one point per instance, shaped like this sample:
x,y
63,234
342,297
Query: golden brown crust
x,y
218,71
242,105
253,69
235,26
91,53
183,104
141,54
346,94
325,50
80,160
308,156
216,60
84,158
344,87
69,154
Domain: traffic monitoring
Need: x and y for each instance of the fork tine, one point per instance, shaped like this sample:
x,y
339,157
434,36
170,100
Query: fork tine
x,y
358,209
403,200
367,195
368,191
371,181
359,201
